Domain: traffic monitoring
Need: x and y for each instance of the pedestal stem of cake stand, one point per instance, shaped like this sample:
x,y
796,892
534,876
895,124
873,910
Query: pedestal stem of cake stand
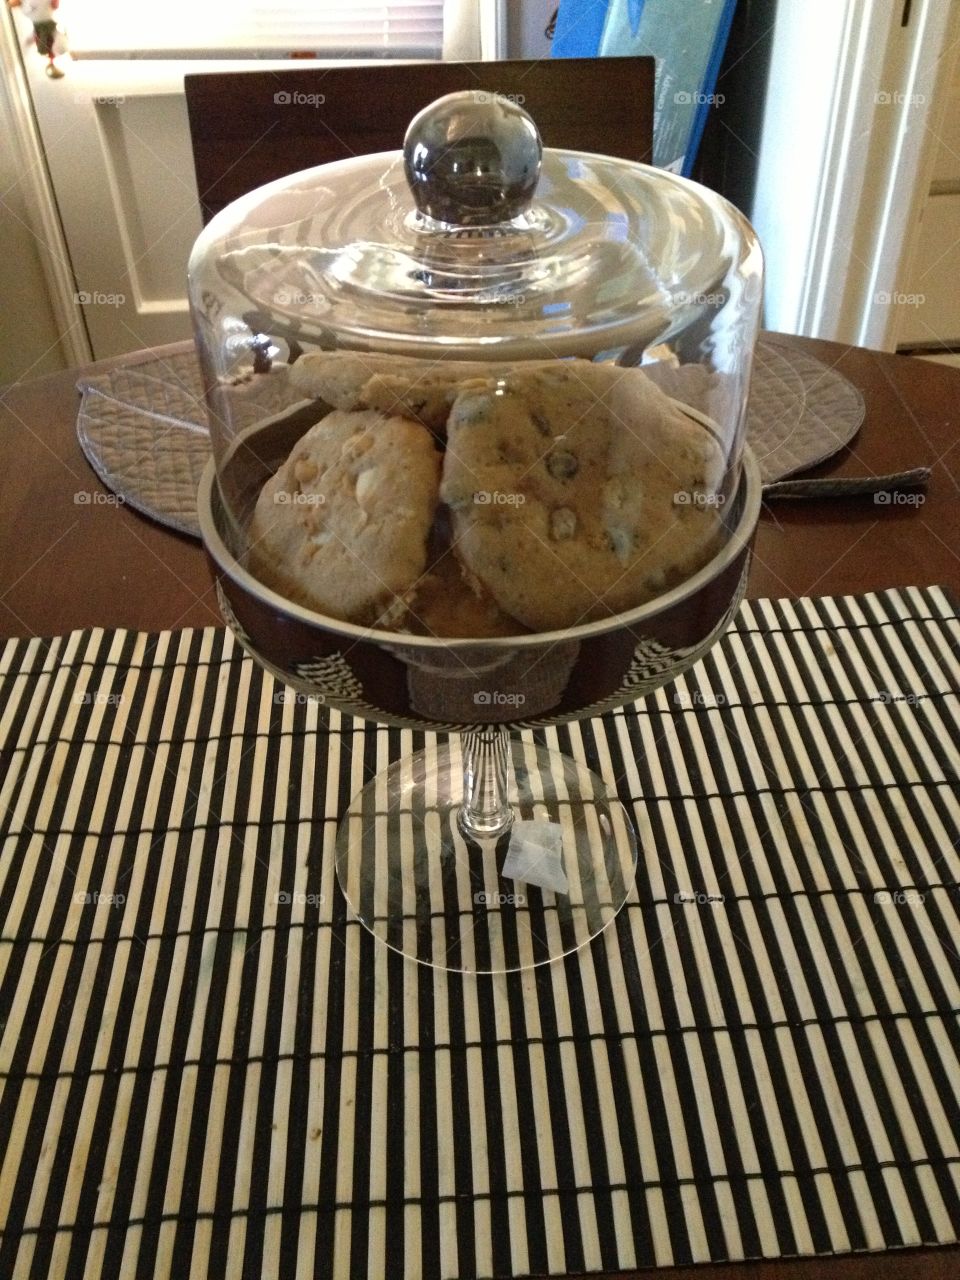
x,y
485,812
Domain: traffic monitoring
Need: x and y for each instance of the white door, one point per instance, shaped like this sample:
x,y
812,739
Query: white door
x,y
854,109
117,146
929,301
115,135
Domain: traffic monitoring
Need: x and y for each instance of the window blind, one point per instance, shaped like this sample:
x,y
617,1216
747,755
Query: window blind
x,y
252,28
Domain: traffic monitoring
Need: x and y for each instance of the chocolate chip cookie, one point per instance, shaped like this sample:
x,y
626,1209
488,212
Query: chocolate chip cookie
x,y
578,491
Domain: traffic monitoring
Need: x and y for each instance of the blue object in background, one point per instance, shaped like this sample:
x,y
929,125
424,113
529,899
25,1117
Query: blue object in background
x,y
579,28
688,42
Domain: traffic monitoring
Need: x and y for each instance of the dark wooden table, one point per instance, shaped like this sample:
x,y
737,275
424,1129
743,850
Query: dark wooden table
x,y
67,564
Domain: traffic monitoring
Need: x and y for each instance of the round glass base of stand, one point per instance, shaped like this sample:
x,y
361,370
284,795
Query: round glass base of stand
x,y
421,855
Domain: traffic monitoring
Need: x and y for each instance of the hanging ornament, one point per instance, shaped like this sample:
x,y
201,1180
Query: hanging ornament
x,y
47,36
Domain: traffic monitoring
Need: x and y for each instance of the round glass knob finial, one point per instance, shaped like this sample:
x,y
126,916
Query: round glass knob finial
x,y
472,159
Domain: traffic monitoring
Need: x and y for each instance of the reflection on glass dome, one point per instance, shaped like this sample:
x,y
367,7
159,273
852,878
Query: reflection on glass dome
x,y
479,469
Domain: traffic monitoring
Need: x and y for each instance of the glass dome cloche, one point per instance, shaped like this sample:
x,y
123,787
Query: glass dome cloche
x,y
477,413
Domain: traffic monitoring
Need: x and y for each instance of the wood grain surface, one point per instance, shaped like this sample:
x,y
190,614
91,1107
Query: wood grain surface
x,y
66,564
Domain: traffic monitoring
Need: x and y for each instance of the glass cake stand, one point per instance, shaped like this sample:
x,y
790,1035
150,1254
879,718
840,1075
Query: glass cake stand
x,y
482,852
477,849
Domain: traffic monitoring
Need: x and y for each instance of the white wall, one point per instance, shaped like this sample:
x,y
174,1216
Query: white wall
x,y
847,150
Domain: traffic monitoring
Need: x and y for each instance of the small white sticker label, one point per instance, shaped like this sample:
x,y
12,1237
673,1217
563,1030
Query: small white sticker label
x,y
535,856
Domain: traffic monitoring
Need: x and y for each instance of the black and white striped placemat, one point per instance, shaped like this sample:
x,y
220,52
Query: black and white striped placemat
x,y
209,1070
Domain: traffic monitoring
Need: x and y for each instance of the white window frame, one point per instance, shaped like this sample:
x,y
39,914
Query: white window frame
x,y
473,30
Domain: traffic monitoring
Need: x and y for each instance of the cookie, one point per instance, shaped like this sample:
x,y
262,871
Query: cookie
x,y
449,601
338,377
415,388
343,525
578,491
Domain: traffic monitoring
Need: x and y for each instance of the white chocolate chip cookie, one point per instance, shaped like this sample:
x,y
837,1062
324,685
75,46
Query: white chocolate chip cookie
x,y
405,385
343,526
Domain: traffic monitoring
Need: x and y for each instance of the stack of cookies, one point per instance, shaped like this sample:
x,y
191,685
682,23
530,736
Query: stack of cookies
x,y
476,499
